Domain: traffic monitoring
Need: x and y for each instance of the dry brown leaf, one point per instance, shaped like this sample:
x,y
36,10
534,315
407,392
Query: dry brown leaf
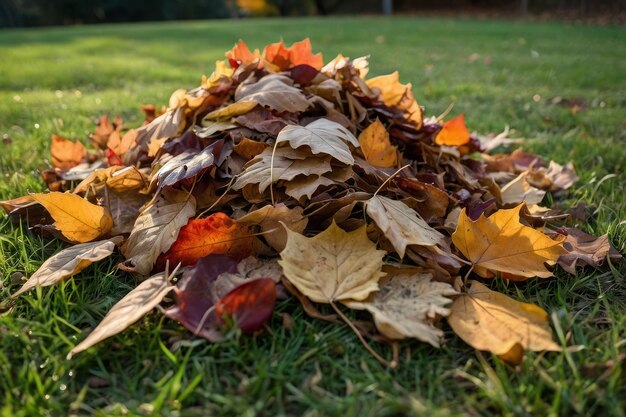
x,y
401,224
117,178
407,304
376,146
232,110
321,136
489,320
69,262
287,164
249,148
585,250
269,217
501,243
274,91
78,219
334,265
519,190
127,311
65,153
156,229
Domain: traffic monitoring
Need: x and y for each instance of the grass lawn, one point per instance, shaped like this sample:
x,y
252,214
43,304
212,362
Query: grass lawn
x,y
58,80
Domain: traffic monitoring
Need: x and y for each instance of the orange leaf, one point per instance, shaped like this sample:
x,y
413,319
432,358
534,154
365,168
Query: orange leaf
x,y
454,132
376,146
217,234
241,55
65,153
278,55
395,94
301,53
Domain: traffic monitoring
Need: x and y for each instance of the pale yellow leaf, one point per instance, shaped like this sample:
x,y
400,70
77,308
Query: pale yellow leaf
x,y
334,265
401,224
76,218
156,229
489,320
407,304
69,262
127,311
232,110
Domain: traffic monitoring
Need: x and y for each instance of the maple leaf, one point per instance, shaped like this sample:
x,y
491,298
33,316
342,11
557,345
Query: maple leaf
x,y
241,55
489,320
217,234
136,304
453,133
395,94
68,262
501,243
156,229
65,153
250,304
299,53
274,91
376,147
334,265
286,164
321,136
76,218
401,224
407,304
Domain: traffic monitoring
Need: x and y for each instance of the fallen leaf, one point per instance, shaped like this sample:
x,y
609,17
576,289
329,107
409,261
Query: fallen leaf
x,y
585,250
299,53
217,234
489,320
65,153
269,217
156,229
321,136
408,304
287,163
334,265
241,55
501,243
250,305
519,190
401,224
232,110
69,262
248,148
248,269
274,91
78,219
117,178
188,164
376,147
395,94
453,133
136,304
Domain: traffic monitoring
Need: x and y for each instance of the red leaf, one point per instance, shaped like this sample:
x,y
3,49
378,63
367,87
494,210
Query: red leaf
x,y
251,304
112,158
241,55
216,234
277,54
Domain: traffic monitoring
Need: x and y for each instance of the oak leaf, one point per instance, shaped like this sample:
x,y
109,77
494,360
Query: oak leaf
x,y
156,229
489,320
501,243
69,262
136,304
376,147
217,234
76,218
453,133
407,304
401,224
334,265
321,136
65,153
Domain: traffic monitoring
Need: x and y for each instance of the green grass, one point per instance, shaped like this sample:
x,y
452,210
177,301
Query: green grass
x,y
58,80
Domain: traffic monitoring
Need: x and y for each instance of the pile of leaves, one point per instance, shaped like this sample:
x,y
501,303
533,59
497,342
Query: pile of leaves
x,y
282,173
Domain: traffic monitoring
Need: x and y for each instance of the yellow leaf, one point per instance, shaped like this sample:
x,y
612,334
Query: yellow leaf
x,y
489,320
376,146
453,133
334,265
232,110
501,243
395,94
78,219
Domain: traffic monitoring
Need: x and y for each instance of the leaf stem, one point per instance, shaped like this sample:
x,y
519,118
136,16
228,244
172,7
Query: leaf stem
x,y
390,178
379,358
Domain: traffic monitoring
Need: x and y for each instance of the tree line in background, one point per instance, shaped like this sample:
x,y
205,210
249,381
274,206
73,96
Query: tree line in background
x,y
20,13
